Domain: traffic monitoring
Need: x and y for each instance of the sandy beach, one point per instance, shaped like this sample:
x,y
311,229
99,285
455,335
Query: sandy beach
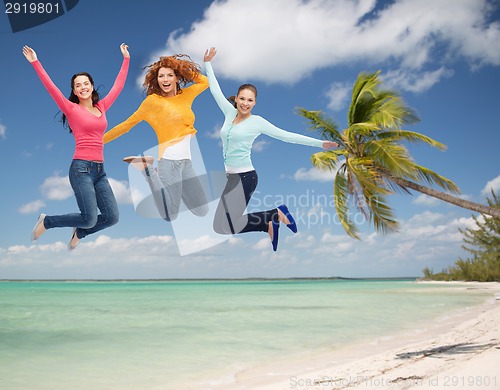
x,y
459,351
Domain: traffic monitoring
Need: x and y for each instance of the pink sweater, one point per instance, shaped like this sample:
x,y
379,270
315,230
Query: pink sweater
x,y
88,129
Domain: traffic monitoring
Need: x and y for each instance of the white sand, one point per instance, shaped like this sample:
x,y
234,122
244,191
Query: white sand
x,y
460,352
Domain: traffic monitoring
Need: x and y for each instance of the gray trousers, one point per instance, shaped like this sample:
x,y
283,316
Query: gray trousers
x,y
173,181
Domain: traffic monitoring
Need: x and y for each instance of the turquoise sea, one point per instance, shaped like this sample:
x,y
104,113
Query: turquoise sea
x,y
150,335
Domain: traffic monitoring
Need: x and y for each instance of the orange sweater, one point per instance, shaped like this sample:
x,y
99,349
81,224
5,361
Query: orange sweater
x,y
170,117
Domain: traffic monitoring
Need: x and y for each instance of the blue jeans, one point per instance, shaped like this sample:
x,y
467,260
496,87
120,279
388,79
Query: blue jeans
x,y
92,192
229,217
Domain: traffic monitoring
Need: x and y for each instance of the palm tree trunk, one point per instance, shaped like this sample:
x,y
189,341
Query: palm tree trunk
x,y
480,208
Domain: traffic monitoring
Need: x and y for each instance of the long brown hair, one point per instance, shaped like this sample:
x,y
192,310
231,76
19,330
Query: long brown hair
x,y
185,69
73,98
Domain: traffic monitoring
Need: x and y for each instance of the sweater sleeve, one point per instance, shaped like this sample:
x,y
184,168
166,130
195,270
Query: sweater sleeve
x,y
200,84
219,97
118,85
61,101
286,136
126,125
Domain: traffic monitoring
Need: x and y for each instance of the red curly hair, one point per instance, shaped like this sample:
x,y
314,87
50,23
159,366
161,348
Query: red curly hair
x,y
185,69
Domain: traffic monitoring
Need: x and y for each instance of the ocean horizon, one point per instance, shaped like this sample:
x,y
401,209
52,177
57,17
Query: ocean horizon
x,y
166,334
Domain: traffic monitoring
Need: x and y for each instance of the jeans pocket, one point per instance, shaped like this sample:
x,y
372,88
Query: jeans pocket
x,y
81,171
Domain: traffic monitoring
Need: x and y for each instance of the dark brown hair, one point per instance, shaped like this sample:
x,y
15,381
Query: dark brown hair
x,y
73,98
251,87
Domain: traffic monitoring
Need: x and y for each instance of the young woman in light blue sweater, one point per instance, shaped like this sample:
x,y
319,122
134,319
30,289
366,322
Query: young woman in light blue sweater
x,y
238,132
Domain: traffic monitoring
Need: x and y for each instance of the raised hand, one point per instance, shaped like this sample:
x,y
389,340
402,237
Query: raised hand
x,y
209,54
29,53
124,50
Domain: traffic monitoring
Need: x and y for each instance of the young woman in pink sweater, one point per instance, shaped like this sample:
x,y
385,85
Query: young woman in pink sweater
x,y
85,114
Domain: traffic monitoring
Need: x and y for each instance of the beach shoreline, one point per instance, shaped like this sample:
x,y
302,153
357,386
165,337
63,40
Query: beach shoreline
x,y
461,350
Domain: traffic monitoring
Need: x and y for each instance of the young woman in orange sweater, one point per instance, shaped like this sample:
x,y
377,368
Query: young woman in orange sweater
x,y
167,109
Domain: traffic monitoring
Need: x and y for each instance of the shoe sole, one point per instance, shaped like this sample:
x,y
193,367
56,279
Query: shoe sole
x,y
144,159
71,247
40,219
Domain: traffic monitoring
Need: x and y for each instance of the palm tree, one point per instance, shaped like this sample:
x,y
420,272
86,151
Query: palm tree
x,y
372,160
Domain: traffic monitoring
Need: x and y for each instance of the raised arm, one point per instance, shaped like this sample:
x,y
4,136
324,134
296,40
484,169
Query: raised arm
x,y
61,101
200,84
219,97
120,79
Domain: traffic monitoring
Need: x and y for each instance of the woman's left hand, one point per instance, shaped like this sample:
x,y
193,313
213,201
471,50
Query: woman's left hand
x,y
124,50
330,145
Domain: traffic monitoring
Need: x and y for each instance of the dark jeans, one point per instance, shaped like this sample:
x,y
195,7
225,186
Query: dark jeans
x,y
229,216
92,192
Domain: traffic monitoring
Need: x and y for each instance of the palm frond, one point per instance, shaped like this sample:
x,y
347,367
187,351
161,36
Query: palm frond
x,y
365,173
371,103
411,136
318,122
381,214
390,111
363,91
431,177
341,197
391,156
358,133
369,190
326,160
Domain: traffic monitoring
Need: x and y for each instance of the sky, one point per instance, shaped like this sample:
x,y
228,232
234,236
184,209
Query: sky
x,y
442,56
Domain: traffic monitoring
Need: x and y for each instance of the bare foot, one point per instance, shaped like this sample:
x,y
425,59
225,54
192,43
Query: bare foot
x,y
282,218
270,230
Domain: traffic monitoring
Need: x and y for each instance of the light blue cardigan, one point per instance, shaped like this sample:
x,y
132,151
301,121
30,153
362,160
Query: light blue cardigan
x,y
237,139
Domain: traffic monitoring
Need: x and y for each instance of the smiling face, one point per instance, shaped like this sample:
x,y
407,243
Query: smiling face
x,y
167,81
245,101
82,87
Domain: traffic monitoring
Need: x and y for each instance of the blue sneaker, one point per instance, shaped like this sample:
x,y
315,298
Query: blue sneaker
x,y
276,227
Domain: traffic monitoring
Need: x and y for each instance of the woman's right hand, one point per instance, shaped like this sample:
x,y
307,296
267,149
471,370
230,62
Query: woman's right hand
x,y
29,53
209,54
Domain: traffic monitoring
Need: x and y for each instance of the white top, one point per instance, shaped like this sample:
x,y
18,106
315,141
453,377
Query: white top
x,y
180,150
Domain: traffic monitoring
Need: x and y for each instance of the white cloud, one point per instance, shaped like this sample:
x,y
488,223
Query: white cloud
x,y
425,200
32,207
121,190
56,188
262,244
290,39
319,249
3,131
215,133
314,174
259,146
200,243
99,250
338,95
408,80
491,185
